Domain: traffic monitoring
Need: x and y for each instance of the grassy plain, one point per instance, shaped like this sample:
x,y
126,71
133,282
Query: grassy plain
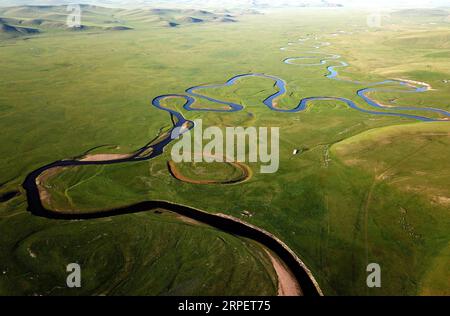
x,y
63,94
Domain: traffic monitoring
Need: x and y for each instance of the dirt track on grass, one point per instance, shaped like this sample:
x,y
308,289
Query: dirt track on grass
x,y
246,174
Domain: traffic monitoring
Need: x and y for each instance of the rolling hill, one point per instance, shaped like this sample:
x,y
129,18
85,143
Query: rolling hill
x,y
8,31
20,20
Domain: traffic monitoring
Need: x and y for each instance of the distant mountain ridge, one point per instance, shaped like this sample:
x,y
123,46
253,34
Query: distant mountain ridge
x,y
247,4
15,30
21,20
243,4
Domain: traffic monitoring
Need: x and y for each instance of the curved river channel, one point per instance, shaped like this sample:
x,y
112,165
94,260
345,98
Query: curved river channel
x,y
229,224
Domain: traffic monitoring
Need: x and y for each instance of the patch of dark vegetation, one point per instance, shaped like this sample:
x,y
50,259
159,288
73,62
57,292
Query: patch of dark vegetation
x,y
111,22
172,24
162,11
4,197
190,19
34,22
226,20
119,28
10,21
14,31
79,28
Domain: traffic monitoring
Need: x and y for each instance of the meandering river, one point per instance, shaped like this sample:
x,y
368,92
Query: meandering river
x,y
226,223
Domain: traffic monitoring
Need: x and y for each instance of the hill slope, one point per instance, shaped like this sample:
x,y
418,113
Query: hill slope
x,y
54,17
8,31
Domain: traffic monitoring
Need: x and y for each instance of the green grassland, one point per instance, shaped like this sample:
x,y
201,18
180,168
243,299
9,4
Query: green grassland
x,y
64,93
152,253
397,158
215,171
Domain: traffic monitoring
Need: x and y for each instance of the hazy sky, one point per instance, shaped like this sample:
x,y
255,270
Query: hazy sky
x,y
366,3
390,3
347,3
